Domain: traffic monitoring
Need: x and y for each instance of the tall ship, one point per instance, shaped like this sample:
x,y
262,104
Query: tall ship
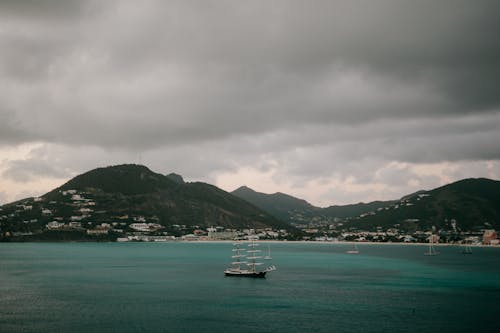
x,y
246,261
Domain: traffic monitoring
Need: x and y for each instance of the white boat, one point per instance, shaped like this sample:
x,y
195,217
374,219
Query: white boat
x,y
354,249
249,258
268,256
467,248
432,251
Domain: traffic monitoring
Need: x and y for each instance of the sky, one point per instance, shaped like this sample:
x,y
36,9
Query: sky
x,y
334,102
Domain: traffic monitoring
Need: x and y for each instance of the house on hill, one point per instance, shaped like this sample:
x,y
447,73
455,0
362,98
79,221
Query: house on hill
x,y
490,237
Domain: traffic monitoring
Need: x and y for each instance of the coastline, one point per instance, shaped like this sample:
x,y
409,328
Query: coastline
x,y
337,243
260,241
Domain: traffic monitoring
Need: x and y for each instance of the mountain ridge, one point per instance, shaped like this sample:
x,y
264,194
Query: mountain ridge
x,y
277,204
467,204
473,202
129,193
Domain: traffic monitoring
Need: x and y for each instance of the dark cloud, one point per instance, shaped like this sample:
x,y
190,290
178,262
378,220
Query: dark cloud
x,y
44,9
278,84
11,131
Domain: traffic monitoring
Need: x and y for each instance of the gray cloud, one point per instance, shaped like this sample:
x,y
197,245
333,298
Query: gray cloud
x,y
43,9
28,170
226,84
11,131
41,162
3,197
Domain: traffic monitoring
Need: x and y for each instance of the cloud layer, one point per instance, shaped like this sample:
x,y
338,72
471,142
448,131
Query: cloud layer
x,y
328,95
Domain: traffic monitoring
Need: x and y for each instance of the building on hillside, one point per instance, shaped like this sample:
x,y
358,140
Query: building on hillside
x,y
489,236
190,237
77,197
433,238
146,227
99,230
68,192
75,225
222,235
54,225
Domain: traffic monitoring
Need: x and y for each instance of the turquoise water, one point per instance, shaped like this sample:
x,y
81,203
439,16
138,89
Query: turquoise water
x,y
180,287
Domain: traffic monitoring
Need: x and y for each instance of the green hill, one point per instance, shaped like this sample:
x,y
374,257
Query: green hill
x,y
127,179
469,204
353,210
124,194
294,210
278,204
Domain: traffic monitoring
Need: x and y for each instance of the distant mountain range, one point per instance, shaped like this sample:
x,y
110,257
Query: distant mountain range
x,y
294,210
466,204
133,193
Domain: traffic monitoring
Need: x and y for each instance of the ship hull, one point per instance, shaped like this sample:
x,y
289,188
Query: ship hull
x,y
246,274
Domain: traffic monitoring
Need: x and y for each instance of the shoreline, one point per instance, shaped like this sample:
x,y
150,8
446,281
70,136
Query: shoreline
x,y
260,241
333,243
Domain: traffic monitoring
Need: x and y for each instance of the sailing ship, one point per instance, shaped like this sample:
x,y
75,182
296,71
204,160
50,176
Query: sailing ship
x,y
268,256
432,251
354,249
248,257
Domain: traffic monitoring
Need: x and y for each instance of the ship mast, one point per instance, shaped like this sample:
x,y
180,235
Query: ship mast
x,y
253,256
237,256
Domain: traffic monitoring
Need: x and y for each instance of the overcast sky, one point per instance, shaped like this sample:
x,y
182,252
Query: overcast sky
x,y
334,102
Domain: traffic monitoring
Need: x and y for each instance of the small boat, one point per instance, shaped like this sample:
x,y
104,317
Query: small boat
x,y
268,256
467,248
354,249
248,258
432,251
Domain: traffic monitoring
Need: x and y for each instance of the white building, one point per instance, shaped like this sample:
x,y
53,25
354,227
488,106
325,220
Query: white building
x,y
75,224
54,225
145,227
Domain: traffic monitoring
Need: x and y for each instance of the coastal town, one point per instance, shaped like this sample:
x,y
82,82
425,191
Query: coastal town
x,y
78,217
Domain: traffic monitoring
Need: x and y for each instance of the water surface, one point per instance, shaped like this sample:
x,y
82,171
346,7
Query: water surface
x,y
180,287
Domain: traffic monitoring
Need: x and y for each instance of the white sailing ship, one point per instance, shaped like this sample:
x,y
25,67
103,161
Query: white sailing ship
x,y
467,248
354,249
246,261
432,251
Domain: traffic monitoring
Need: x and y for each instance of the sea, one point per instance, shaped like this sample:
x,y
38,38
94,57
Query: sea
x,y
180,287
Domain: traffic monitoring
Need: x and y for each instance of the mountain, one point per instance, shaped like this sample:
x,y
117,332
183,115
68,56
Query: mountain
x,y
467,204
176,178
127,179
347,211
278,204
129,193
116,197
294,210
